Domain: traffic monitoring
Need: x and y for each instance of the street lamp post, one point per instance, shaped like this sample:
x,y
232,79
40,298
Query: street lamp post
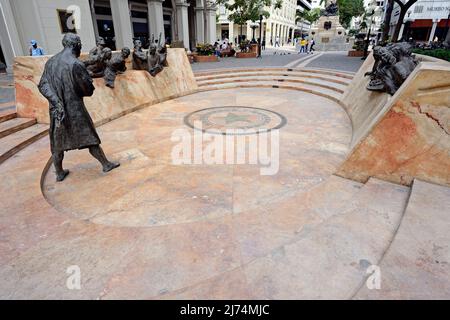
x,y
253,26
260,36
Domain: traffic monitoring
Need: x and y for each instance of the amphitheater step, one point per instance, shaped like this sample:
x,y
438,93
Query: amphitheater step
x,y
417,264
7,115
284,79
280,73
324,92
333,73
360,233
15,142
13,125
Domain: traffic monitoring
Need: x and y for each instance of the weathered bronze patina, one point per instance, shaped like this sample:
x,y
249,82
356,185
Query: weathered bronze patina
x,y
139,57
116,65
64,83
393,64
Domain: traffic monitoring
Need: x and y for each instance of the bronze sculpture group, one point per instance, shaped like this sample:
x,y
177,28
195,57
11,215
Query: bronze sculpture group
x,y
65,82
153,61
102,63
393,64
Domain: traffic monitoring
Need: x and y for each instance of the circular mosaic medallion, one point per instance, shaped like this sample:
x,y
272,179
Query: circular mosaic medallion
x,y
234,120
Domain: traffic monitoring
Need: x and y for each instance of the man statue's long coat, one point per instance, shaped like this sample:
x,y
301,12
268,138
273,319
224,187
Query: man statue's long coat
x,y
66,80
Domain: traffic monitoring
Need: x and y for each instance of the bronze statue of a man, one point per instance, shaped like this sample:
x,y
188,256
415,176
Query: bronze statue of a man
x,y
96,68
139,57
96,52
393,64
156,59
116,65
64,83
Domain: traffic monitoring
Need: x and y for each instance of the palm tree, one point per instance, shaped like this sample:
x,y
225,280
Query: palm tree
x,y
311,16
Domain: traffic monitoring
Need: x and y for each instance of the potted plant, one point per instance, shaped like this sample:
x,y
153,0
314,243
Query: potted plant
x,y
358,47
246,50
205,53
243,11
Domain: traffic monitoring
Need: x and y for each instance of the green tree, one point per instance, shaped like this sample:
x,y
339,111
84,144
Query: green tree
x,y
349,9
307,15
311,15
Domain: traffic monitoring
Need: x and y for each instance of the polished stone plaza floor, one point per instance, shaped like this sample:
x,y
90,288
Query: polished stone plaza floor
x,y
180,219
152,229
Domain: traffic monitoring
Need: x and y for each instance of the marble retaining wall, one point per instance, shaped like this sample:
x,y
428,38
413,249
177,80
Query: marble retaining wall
x,y
133,89
405,136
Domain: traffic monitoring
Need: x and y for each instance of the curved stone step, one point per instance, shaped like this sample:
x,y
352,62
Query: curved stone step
x,y
7,115
417,264
13,125
310,81
330,261
326,93
15,142
282,73
304,70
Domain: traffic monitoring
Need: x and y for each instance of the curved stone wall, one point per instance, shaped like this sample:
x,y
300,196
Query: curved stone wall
x,y
405,136
134,89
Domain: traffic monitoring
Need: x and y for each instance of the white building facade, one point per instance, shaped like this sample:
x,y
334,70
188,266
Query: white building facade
x,y
186,22
375,22
425,21
281,23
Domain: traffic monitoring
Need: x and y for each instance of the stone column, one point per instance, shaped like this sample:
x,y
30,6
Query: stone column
x,y
268,32
199,23
211,25
9,36
292,34
231,32
122,23
182,22
156,19
249,31
433,30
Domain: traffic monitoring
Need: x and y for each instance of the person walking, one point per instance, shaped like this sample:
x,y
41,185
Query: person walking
x,y
263,44
311,46
302,45
277,41
35,50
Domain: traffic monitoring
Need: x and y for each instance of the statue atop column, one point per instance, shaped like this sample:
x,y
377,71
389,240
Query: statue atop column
x,y
64,83
331,9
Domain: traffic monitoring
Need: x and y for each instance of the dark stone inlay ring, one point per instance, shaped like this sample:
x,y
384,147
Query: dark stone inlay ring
x,y
217,120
